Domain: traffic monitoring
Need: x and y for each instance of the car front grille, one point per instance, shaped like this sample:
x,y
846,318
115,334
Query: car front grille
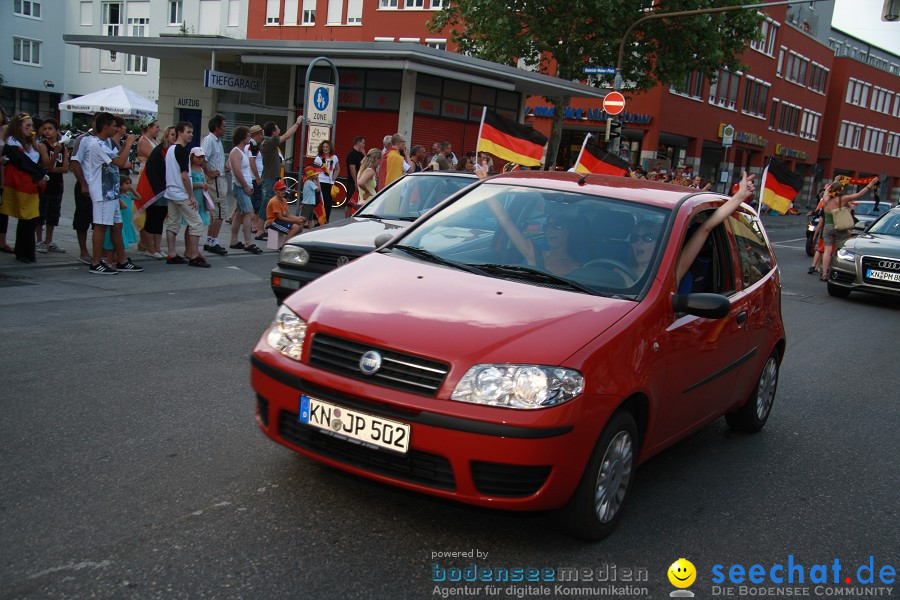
x,y
398,370
510,481
881,264
414,466
327,259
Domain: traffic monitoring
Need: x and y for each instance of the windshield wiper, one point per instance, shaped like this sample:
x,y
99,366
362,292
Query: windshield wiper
x,y
368,216
532,274
431,257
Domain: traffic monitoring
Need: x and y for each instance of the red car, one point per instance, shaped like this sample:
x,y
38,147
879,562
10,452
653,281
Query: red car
x,y
525,345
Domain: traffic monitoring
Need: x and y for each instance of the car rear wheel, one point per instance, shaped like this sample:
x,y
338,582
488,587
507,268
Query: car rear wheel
x,y
596,506
753,415
838,291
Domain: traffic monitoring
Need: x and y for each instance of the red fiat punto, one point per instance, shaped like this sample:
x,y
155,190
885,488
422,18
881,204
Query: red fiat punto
x,y
525,345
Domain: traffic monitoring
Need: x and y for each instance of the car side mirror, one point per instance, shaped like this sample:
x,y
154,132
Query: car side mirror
x,y
709,306
383,239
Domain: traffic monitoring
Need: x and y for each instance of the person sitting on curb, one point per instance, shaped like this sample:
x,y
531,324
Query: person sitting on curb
x,y
279,218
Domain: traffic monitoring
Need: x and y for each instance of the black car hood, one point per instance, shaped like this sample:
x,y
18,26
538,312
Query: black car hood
x,y
354,232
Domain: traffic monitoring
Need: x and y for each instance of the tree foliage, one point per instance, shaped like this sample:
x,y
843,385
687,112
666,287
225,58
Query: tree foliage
x,y
561,38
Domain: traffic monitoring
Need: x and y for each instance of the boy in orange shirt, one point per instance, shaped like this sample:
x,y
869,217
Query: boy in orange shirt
x,y
278,217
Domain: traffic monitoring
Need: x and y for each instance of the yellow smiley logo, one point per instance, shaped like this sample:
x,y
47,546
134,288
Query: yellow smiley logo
x,y
682,573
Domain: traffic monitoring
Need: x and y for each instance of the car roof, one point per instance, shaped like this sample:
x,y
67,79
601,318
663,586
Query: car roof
x,y
442,174
664,195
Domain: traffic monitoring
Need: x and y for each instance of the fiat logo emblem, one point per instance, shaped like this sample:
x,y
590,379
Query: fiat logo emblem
x,y
342,260
370,362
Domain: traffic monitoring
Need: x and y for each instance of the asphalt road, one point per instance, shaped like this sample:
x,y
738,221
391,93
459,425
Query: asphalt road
x,y
132,466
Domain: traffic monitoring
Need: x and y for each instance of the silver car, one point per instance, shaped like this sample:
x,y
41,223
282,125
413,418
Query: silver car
x,y
869,262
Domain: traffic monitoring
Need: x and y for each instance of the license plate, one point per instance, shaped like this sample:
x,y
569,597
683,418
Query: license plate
x,y
883,275
354,425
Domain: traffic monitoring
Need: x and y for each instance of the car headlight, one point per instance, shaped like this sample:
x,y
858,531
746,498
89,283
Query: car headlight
x,y
518,386
294,255
844,254
287,333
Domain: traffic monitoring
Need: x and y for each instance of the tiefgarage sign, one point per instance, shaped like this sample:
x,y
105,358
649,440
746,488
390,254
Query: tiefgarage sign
x,y
230,81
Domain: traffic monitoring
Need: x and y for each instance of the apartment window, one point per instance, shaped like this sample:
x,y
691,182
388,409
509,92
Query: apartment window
x,y
873,140
291,11
335,12
436,44
767,30
87,14
724,90
234,13
27,8
415,4
809,124
790,118
309,12
437,4
795,67
137,27
896,111
781,54
857,92
273,12
893,145
756,93
818,77
691,86
112,19
26,51
775,104
84,60
175,12
387,4
354,12
850,135
881,100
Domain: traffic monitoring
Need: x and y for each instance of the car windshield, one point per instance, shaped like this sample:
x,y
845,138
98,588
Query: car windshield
x,y
887,225
579,242
413,195
867,209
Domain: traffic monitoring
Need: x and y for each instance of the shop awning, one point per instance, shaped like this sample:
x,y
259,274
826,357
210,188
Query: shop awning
x,y
407,56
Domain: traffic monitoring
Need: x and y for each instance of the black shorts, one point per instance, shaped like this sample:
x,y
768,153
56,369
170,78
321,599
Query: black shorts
x,y
156,217
50,205
84,211
279,225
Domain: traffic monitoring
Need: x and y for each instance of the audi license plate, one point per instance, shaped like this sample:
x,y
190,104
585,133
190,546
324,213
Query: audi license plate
x,y
354,425
883,275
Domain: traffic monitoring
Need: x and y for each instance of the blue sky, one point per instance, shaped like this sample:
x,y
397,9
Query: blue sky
x,y
862,19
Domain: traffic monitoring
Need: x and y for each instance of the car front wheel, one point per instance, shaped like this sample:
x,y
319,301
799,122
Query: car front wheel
x,y
838,291
753,415
596,506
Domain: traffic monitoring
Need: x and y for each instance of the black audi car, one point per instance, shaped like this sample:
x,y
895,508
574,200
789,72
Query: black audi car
x,y
315,252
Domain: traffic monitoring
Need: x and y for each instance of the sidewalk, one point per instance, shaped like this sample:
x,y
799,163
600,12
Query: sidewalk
x,y
64,236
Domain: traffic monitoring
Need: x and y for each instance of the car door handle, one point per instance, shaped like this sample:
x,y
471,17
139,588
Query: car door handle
x,y
741,317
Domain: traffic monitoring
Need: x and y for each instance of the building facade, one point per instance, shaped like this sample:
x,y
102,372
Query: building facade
x,y
31,62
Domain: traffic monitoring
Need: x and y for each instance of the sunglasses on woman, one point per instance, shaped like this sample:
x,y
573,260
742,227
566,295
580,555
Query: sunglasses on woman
x,y
641,237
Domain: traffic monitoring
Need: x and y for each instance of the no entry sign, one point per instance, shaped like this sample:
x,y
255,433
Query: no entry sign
x,y
614,103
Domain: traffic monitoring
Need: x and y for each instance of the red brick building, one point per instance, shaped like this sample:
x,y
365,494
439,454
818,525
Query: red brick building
x,y
795,101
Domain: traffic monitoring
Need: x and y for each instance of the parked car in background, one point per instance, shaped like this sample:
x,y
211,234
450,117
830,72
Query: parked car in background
x,y
869,262
865,214
315,252
525,345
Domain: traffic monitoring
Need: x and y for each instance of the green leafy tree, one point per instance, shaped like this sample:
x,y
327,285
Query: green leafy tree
x,y
561,38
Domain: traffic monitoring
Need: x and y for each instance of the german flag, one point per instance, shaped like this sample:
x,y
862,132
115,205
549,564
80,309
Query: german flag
x,y
20,184
594,159
320,208
509,140
779,186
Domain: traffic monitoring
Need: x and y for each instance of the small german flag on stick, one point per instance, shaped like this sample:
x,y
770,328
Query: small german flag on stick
x,y
594,159
779,186
506,139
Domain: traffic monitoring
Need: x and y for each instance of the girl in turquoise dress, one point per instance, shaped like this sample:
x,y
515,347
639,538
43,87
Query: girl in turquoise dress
x,y
198,183
127,196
